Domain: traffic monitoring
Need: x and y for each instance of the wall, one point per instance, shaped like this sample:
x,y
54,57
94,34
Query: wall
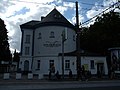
x,y
42,46
44,65
24,44
22,60
86,60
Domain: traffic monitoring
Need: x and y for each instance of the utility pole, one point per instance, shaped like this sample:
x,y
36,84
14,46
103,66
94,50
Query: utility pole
x,y
78,38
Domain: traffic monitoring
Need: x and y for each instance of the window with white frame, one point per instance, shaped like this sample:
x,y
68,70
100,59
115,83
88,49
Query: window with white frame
x,y
27,39
27,49
67,64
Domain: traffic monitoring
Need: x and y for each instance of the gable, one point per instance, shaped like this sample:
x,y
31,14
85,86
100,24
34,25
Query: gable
x,y
54,18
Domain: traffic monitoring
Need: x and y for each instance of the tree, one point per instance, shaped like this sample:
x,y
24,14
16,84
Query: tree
x,y
16,58
103,34
5,54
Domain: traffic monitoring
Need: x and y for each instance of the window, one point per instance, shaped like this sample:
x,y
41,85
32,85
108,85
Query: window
x,y
39,36
92,64
57,16
52,35
27,50
51,63
38,64
67,64
27,39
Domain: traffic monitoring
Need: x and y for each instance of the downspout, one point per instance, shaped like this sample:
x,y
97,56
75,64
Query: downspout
x,y
32,49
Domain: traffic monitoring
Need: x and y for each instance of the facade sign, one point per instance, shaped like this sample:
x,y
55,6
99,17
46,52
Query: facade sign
x,y
52,44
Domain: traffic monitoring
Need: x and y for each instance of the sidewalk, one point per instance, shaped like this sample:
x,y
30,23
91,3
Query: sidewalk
x,y
35,81
24,80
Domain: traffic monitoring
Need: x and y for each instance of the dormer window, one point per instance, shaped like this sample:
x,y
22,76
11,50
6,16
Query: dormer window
x,y
52,34
57,16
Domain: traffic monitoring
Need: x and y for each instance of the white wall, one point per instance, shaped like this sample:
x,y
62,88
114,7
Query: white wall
x,y
22,60
27,32
43,53
24,57
44,65
86,60
41,50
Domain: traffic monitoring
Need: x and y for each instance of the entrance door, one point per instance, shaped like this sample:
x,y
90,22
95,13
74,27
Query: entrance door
x,y
26,65
100,69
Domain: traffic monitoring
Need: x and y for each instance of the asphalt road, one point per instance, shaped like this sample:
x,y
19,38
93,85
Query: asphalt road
x,y
72,85
87,88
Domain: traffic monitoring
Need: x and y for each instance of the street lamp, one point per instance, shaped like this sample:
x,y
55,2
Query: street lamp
x,y
64,38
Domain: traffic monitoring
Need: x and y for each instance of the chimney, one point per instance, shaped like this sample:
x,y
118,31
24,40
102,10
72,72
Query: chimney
x,y
42,17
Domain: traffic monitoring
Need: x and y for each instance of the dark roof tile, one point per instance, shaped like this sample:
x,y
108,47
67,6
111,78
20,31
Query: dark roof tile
x,y
53,18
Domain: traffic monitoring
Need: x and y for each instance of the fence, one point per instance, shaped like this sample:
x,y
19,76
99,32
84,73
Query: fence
x,y
20,76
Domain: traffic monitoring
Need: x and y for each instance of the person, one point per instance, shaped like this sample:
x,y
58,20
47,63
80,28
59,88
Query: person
x,y
53,69
52,72
83,72
57,75
79,73
114,58
98,73
70,74
49,75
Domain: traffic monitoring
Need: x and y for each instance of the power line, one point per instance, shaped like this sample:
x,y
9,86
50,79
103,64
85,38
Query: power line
x,y
30,2
81,8
91,4
100,13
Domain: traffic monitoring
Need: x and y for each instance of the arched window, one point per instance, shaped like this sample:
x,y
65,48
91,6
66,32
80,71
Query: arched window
x,y
26,65
52,34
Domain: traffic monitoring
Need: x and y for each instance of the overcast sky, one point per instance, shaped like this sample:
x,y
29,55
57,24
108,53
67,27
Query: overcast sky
x,y
16,12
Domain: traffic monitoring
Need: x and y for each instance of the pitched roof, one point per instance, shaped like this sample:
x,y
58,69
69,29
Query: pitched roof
x,y
53,18
29,24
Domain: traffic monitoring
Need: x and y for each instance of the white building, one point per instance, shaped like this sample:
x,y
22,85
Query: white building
x,y
42,46
42,43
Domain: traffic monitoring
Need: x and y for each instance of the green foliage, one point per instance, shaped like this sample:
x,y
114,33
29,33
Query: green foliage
x,y
103,34
16,57
5,54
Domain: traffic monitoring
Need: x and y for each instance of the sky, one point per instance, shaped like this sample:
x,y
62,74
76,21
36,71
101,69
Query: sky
x,y
16,12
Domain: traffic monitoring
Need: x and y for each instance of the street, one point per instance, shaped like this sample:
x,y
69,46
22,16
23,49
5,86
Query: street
x,y
64,85
87,88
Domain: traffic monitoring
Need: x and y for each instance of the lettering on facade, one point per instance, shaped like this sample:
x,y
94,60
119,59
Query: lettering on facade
x,y
52,44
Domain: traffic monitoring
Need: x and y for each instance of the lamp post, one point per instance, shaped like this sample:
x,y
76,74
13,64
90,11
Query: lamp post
x,y
77,42
62,57
64,38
